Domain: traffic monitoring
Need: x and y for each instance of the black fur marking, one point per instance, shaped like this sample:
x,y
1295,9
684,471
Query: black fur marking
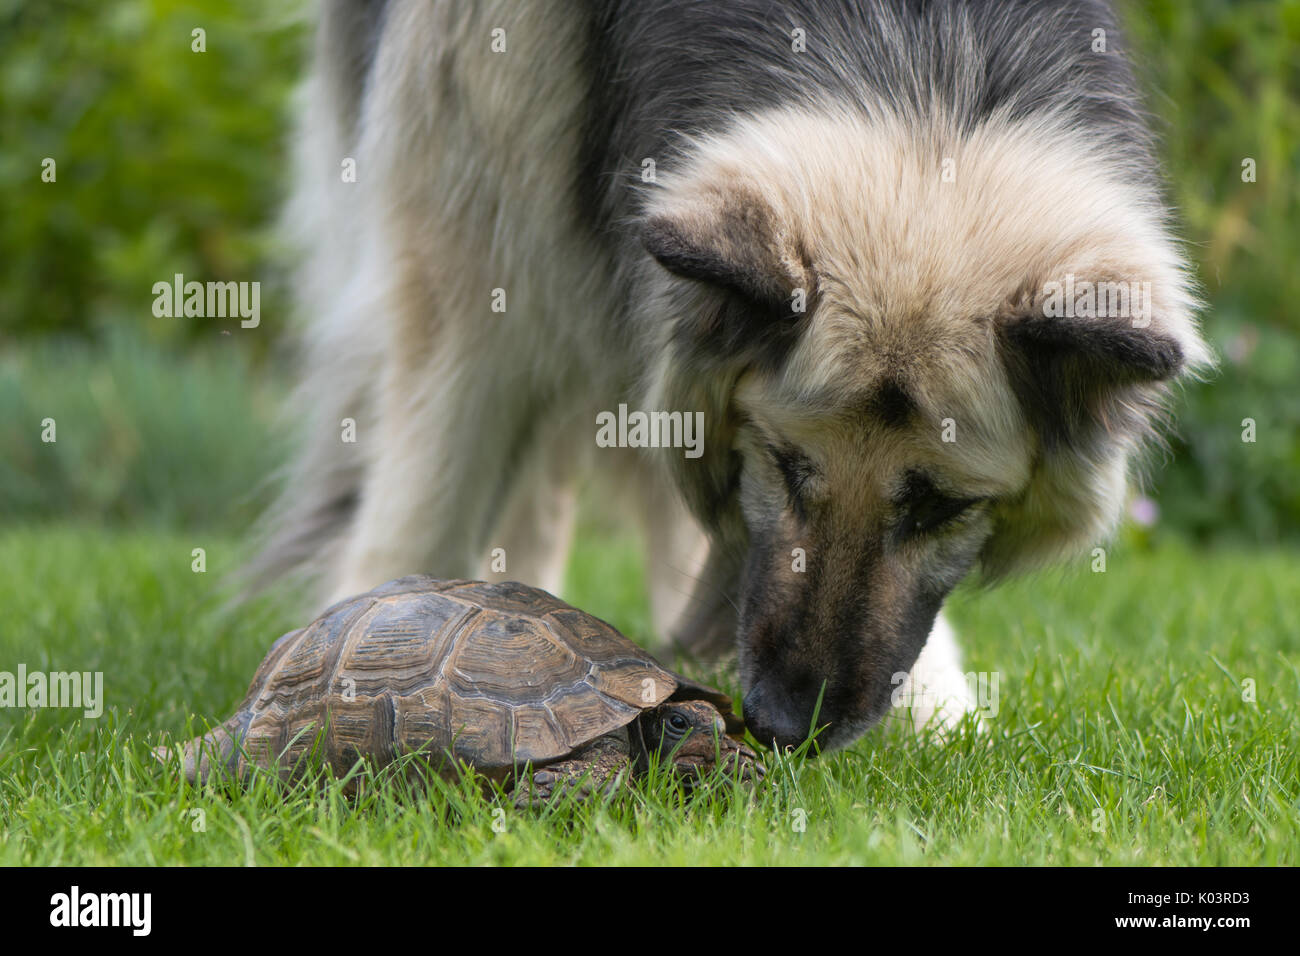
x,y
916,620
662,68
676,253
796,470
774,628
739,329
803,644
733,248
890,405
719,506
1115,349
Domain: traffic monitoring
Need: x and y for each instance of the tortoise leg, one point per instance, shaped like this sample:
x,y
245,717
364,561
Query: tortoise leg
x,y
592,769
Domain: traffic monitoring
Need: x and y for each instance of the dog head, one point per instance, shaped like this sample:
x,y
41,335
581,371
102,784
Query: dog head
x,y
890,333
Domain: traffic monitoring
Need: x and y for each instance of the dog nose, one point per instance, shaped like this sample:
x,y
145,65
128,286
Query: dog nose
x,y
777,718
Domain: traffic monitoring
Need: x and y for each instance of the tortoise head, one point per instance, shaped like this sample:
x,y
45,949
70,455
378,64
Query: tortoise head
x,y
691,737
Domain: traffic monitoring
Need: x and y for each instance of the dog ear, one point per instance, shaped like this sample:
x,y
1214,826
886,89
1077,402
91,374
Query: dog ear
x,y
735,243
731,241
1080,377
1114,350
1092,389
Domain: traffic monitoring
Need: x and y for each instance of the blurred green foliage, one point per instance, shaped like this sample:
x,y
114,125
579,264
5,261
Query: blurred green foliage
x,y
169,160
139,437
1224,80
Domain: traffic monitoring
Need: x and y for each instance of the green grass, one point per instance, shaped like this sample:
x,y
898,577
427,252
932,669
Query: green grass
x,y
1119,691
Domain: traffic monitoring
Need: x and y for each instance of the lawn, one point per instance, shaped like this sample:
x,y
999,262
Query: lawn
x,y
1147,715
1124,733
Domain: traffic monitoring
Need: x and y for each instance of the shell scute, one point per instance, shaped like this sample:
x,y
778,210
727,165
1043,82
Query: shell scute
x,y
512,659
597,641
633,682
402,646
311,658
537,735
584,715
361,727
423,720
509,597
482,731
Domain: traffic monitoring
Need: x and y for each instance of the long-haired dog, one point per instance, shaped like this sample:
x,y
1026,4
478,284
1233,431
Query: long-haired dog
x,y
906,262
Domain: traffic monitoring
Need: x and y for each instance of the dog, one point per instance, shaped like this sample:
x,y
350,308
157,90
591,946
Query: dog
x,y
906,262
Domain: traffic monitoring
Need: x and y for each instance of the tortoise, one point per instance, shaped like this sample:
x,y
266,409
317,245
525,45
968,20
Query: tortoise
x,y
497,676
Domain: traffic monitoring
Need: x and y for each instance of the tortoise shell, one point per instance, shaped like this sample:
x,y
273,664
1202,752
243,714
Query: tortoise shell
x,y
495,675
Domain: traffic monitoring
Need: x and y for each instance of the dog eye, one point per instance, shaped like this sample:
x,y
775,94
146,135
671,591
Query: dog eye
x,y
925,508
932,513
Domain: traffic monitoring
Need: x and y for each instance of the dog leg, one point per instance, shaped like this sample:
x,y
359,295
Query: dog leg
x,y
707,630
676,550
531,542
446,443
